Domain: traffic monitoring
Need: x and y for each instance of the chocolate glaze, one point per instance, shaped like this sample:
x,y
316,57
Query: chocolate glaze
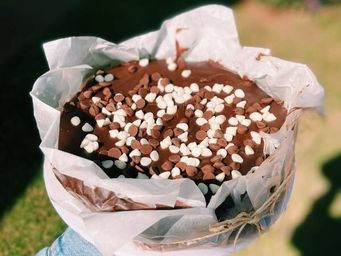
x,y
202,73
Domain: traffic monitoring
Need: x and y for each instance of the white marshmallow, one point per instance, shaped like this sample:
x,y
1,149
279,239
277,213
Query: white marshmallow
x,y
75,121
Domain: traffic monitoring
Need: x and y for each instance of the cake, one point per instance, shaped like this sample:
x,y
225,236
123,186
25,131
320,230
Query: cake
x,y
169,119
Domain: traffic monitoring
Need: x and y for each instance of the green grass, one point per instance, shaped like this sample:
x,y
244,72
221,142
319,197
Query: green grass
x,y
31,224
313,39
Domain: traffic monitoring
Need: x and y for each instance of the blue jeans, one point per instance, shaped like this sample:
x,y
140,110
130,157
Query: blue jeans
x,y
70,244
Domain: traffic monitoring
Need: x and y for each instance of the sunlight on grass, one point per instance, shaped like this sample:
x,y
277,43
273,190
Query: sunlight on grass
x,y
31,224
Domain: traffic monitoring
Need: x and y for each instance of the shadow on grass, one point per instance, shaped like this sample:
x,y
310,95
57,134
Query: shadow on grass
x,y
27,26
319,233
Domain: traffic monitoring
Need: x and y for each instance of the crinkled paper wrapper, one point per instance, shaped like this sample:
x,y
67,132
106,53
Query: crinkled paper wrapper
x,y
91,203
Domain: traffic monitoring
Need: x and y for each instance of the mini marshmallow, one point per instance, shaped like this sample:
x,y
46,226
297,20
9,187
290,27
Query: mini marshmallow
x,y
206,152
214,188
95,99
87,128
109,77
123,158
249,150
120,143
120,165
222,152
239,93
227,89
136,97
184,149
196,152
170,60
229,99
265,109
169,88
164,175
175,172
237,158
201,121
144,62
233,121
269,117
174,149
139,114
91,137
198,113
194,87
172,66
160,113
144,141
246,122
186,73
135,152
183,137
255,116
241,104
99,78
217,88
107,164
220,177
228,137
154,155
182,126
219,108
145,161
75,121
113,133
203,188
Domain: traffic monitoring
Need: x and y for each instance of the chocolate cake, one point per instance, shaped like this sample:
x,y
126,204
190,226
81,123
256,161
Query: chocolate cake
x,y
170,119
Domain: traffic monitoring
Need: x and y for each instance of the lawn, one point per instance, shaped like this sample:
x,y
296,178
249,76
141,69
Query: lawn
x,y
315,207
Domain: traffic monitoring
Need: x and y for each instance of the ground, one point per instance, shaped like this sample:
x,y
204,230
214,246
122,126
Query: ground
x,y
311,38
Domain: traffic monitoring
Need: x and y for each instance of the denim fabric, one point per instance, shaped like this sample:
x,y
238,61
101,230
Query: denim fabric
x,y
70,244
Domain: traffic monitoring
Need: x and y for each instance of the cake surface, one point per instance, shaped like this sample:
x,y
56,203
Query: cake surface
x,y
166,119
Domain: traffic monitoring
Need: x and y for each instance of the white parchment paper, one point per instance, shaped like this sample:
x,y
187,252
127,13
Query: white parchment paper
x,y
209,32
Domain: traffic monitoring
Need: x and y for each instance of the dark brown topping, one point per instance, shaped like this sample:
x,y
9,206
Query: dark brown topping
x,y
164,81
181,165
200,135
226,169
147,82
266,100
241,129
114,153
113,125
167,132
189,113
156,76
208,176
207,114
146,149
132,69
174,158
191,171
233,149
135,144
133,130
119,97
155,133
167,166
167,117
140,103
153,142
235,166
